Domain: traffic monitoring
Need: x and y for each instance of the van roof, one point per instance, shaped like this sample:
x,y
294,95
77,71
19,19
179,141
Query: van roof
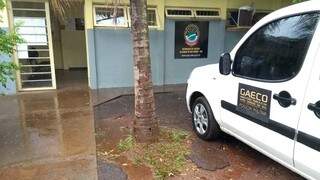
x,y
300,8
308,6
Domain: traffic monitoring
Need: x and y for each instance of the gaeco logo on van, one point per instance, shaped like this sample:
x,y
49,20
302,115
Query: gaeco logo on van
x,y
192,35
254,101
254,95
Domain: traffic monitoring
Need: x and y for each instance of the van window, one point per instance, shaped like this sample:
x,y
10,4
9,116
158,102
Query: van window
x,y
276,51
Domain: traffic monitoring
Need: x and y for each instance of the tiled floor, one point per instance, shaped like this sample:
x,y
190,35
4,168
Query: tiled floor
x,y
72,79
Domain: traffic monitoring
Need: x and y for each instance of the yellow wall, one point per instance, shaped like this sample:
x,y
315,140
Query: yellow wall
x,y
74,49
89,13
69,44
259,4
161,4
56,42
199,4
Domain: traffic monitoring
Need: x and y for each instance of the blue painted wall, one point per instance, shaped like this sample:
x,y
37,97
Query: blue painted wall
x,y
91,58
177,71
111,63
113,57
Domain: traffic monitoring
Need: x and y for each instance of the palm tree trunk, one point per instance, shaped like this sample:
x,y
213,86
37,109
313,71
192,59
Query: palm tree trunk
x,y
145,127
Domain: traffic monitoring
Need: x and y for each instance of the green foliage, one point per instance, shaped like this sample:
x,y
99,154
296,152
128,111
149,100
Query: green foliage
x,y
126,144
178,136
7,72
166,157
2,4
8,40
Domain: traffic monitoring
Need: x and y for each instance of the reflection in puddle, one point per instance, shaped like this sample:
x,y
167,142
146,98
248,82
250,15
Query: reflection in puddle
x,y
47,131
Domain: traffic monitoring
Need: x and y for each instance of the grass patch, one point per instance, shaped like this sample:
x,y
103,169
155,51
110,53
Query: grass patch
x,y
166,157
126,144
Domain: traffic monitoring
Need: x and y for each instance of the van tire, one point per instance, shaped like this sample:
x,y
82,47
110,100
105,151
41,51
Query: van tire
x,y
200,117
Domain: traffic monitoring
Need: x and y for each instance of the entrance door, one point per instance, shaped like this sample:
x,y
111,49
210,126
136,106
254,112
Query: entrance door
x,y
263,98
35,54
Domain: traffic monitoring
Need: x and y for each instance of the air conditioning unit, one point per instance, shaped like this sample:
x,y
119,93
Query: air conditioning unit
x,y
245,16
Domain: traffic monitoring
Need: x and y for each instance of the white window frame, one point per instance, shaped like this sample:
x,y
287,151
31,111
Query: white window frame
x,y
125,12
208,17
149,8
157,17
179,16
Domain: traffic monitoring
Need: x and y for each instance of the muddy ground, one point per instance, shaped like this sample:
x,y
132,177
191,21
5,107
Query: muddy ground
x,y
226,158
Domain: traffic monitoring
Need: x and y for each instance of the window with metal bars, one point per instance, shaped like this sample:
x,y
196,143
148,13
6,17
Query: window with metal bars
x,y
179,12
207,13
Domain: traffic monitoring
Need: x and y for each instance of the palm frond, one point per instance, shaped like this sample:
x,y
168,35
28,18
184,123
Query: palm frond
x,y
60,7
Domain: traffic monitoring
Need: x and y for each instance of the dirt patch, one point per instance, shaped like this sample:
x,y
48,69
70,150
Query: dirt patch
x,y
225,158
208,156
110,171
167,157
109,132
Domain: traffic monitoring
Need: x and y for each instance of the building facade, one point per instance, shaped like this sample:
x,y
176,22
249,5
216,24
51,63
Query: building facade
x,y
183,34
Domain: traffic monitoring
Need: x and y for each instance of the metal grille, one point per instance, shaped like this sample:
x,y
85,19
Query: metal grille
x,y
179,12
34,54
207,13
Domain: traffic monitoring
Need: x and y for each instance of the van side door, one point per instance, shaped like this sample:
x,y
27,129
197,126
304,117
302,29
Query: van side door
x,y
262,100
307,145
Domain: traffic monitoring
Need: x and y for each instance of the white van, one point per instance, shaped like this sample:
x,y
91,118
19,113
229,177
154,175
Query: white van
x,y
266,91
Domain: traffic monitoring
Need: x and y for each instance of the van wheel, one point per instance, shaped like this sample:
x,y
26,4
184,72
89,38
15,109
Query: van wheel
x,y
204,123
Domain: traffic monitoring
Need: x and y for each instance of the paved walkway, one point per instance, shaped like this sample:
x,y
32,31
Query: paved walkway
x,y
47,135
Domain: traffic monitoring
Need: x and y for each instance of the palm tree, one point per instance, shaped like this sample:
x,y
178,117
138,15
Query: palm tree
x,y
145,124
145,128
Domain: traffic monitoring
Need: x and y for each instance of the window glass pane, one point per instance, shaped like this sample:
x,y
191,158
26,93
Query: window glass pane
x,y
151,17
232,18
110,16
277,50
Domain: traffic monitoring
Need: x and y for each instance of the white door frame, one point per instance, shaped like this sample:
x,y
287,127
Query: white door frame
x,y
50,46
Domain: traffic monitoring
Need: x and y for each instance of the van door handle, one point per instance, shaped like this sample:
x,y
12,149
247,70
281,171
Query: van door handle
x,y
284,98
314,108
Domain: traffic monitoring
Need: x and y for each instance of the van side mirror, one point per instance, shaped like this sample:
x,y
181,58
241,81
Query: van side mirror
x,y
225,64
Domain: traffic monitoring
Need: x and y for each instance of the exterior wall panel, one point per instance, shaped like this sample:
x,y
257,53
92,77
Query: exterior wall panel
x,y
177,70
113,55
91,59
111,48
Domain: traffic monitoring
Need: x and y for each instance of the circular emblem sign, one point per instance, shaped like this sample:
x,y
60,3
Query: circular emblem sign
x,y
192,35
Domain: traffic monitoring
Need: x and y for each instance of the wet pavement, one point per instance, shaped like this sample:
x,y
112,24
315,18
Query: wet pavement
x,y
47,135
72,134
